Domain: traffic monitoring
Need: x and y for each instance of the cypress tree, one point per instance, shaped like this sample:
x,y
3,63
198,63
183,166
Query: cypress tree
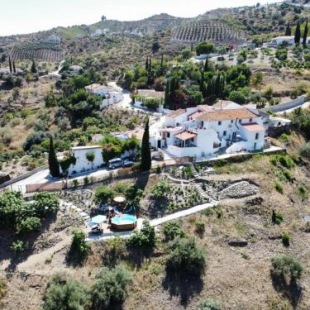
x,y
149,72
14,68
53,161
33,67
146,160
167,94
202,81
147,63
10,64
206,66
305,36
162,64
297,34
288,30
217,85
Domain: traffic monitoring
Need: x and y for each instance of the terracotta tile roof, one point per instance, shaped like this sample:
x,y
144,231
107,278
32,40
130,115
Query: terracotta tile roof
x,y
222,115
253,127
227,104
176,113
185,135
205,108
195,115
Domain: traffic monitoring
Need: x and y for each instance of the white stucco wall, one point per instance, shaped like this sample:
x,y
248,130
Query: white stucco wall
x,y
82,164
114,97
182,151
205,141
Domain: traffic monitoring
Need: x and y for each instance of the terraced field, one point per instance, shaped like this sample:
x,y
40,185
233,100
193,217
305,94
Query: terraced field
x,y
38,51
208,30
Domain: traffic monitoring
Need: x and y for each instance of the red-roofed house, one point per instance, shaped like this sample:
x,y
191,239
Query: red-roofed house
x,y
206,130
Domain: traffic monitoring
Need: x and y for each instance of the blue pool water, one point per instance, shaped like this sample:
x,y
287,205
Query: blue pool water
x,y
124,219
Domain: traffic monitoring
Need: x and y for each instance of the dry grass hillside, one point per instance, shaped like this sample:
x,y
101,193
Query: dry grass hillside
x,y
237,277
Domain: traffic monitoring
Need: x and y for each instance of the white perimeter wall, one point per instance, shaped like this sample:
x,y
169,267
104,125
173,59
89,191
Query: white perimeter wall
x,y
82,164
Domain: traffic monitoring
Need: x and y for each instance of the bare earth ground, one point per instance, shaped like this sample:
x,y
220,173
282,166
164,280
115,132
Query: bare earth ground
x,y
239,277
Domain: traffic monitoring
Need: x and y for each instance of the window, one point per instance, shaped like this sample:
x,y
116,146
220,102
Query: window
x,y
240,121
219,123
256,135
224,133
216,145
250,120
232,121
168,134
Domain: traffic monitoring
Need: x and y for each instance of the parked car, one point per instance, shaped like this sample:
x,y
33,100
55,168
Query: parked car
x,y
128,163
158,157
115,163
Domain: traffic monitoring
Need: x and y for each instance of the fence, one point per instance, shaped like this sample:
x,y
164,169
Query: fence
x,y
45,187
22,177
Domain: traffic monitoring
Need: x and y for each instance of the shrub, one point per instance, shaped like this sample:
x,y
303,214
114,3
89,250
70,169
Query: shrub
x,y
287,175
302,192
110,288
200,228
64,292
3,288
284,137
268,93
286,239
45,203
278,186
79,249
17,246
286,267
208,304
171,230
160,189
104,194
144,240
282,160
7,137
34,139
277,218
305,150
186,257
238,97
29,224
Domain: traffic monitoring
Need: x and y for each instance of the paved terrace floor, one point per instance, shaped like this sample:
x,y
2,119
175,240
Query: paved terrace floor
x,y
154,222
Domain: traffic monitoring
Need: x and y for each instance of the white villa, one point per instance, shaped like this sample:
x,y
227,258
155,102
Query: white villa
x,y
81,155
207,130
280,40
110,94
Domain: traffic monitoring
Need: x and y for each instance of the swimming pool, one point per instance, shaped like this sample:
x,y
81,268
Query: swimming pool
x,y
124,222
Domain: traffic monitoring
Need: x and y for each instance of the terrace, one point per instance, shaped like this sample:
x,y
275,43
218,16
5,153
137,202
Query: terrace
x,y
185,139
